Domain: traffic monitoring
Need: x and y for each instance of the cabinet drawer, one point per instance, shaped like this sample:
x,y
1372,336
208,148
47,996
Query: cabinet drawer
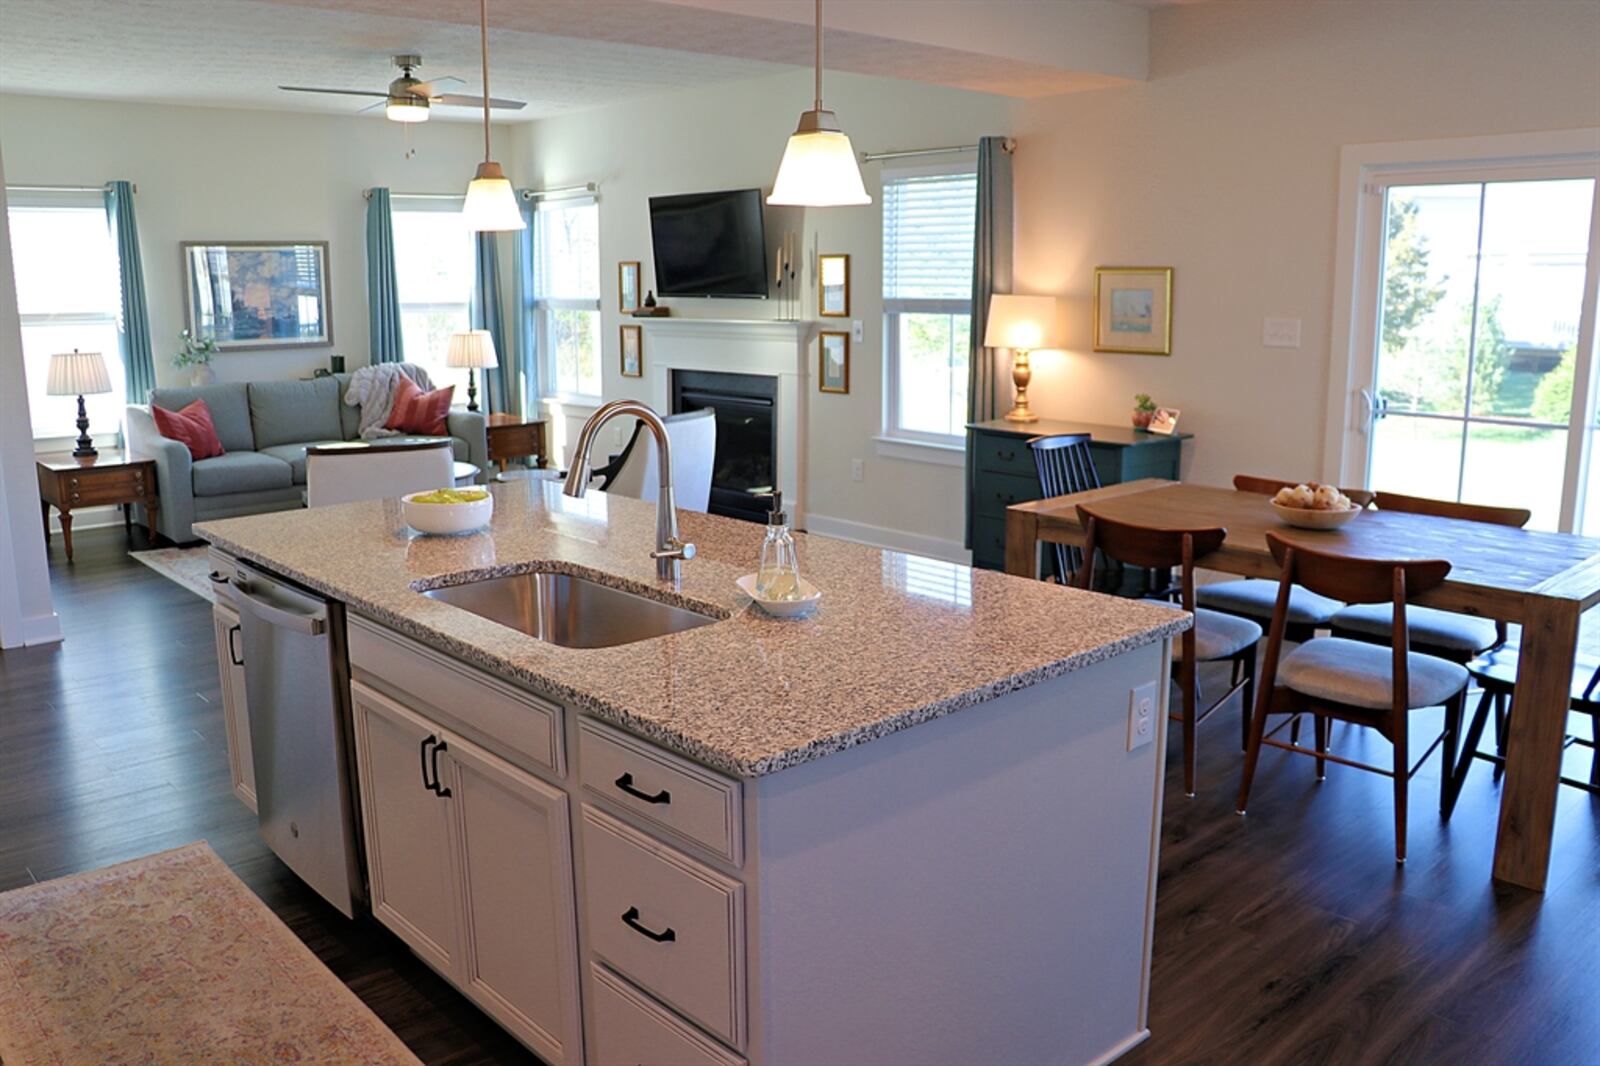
x,y
630,1029
673,926
111,486
993,493
1003,455
483,708
661,789
989,541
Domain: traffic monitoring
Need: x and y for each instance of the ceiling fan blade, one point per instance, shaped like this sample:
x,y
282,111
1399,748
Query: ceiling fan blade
x,y
336,92
373,107
457,100
431,88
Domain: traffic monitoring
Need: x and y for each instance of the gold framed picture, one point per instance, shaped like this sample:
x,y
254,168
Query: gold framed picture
x,y
632,352
833,361
833,286
1133,310
627,287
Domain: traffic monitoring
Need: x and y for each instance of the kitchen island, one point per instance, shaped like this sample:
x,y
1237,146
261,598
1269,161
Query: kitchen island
x,y
918,826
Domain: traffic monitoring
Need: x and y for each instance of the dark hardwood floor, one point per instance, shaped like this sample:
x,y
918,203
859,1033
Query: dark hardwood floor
x,y
1288,936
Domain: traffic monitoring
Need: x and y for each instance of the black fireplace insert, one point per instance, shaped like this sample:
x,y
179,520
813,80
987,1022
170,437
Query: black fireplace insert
x,y
746,408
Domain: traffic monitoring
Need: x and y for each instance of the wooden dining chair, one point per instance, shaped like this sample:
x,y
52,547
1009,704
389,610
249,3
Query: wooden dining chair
x,y
1254,599
1214,637
1331,678
1446,634
1065,466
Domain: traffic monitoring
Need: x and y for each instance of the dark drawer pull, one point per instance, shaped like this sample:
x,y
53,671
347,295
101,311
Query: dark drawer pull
x,y
443,791
625,782
219,577
233,650
427,742
630,918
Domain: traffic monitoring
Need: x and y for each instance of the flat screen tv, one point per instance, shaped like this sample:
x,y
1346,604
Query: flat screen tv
x,y
709,244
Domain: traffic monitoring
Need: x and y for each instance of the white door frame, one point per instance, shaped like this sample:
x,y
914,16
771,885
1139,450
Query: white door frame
x,y
1364,172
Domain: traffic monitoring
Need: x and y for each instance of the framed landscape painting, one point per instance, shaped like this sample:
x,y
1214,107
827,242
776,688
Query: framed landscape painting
x,y
1133,310
632,351
257,294
833,357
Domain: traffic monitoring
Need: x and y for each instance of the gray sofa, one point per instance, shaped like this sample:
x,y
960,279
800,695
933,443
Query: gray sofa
x,y
265,426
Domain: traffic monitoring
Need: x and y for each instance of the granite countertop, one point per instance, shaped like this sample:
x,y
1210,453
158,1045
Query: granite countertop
x,y
897,639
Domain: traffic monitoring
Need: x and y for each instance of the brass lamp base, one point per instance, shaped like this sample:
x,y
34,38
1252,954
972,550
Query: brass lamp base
x,y
1021,374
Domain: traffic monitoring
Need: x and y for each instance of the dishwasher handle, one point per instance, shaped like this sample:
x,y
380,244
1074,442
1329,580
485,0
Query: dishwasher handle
x,y
312,625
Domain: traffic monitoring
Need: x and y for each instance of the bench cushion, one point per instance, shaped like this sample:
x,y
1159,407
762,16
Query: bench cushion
x,y
239,472
1362,674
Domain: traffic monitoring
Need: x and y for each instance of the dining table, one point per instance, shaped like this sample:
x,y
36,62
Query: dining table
x,y
1539,580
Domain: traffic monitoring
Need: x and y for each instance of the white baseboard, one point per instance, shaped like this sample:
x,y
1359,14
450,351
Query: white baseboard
x,y
39,629
893,539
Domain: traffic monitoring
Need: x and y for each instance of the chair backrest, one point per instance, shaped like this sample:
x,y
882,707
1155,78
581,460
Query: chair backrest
x,y
1516,517
1065,464
1269,486
693,435
344,474
1355,580
1147,546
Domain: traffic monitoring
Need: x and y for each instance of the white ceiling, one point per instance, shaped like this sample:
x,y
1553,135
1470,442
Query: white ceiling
x,y
558,55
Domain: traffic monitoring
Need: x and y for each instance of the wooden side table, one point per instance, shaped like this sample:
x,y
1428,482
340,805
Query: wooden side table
x,y
510,437
115,477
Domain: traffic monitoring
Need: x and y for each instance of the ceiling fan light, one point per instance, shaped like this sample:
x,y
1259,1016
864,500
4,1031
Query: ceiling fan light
x,y
407,108
491,204
819,167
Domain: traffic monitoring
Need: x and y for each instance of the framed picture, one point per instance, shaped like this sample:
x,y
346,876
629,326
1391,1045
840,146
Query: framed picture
x,y
1133,310
833,359
627,287
632,352
833,286
257,294
1165,421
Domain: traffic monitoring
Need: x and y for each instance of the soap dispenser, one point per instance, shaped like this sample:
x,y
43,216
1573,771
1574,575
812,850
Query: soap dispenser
x,y
779,576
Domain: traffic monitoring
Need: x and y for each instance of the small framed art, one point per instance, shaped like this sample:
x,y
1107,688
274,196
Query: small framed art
x,y
627,287
1133,310
833,359
1164,421
632,352
833,286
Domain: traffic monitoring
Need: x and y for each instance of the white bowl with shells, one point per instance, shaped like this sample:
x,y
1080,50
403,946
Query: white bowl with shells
x,y
1314,506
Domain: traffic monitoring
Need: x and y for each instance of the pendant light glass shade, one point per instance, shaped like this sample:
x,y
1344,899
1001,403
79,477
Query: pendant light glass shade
x,y
819,167
491,204
406,109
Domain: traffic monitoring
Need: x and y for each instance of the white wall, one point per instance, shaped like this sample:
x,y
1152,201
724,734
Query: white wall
x,y
1224,166
732,136
210,173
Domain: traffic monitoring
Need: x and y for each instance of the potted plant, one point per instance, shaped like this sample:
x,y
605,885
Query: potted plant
x,y
197,354
1144,409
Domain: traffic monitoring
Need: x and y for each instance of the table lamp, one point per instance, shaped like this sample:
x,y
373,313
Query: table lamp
x,y
1023,324
79,374
473,349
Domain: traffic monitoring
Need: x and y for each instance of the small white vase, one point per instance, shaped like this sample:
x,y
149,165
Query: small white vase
x,y
202,375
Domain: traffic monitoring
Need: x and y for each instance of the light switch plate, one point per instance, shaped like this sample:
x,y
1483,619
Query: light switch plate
x,y
1280,332
1141,716
857,332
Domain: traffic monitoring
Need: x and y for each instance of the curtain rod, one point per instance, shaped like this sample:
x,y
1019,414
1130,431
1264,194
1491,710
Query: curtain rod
x,y
366,194
562,190
62,188
1008,146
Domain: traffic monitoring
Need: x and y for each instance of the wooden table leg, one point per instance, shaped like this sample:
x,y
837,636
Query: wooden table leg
x,y
127,518
1538,732
66,530
44,507
150,509
1022,544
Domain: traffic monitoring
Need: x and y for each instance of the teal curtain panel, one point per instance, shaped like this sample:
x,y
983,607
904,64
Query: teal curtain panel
x,y
383,294
138,362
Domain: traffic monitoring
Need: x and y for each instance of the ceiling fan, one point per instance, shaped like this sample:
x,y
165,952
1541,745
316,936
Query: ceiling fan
x,y
409,98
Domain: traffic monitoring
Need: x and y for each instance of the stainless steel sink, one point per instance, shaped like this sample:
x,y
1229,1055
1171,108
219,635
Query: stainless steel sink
x,y
571,611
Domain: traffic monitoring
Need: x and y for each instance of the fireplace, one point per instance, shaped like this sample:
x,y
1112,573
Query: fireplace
x,y
747,435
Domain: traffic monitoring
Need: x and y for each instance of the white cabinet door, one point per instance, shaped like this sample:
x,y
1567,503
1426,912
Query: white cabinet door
x,y
235,704
406,826
514,851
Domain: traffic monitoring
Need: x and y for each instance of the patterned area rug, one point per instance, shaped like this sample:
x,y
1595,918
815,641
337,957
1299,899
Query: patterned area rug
x,y
170,959
189,567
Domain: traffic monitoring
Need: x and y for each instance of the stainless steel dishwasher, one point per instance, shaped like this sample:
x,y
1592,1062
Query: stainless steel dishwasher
x,y
297,678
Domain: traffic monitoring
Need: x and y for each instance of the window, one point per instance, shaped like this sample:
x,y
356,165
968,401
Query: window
x,y
435,272
69,292
928,220
566,295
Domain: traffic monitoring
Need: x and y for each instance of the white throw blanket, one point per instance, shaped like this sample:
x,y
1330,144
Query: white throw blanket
x,y
372,390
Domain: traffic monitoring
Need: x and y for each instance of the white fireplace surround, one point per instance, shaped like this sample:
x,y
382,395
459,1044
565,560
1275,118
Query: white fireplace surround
x,y
742,346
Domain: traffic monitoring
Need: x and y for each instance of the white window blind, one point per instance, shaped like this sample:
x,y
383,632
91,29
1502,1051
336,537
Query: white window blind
x,y
566,294
928,224
436,269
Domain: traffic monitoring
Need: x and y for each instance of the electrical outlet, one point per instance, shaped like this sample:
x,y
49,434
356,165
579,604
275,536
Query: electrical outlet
x,y
858,333
1280,332
1141,716
858,470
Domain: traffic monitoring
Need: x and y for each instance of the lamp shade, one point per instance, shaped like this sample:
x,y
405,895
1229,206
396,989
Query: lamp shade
x,y
819,167
473,348
1023,323
491,204
77,373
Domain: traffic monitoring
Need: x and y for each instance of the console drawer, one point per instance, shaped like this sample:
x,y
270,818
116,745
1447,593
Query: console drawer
x,y
672,925
629,1029
665,791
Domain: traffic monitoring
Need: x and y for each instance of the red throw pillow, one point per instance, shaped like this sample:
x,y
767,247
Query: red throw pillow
x,y
192,425
416,411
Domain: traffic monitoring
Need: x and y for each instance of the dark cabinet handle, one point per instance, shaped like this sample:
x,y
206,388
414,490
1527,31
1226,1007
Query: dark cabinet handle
x,y
1005,456
219,577
439,790
625,782
233,651
630,918
427,742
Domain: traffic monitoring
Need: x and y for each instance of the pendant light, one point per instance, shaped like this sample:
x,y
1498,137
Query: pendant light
x,y
819,167
491,203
